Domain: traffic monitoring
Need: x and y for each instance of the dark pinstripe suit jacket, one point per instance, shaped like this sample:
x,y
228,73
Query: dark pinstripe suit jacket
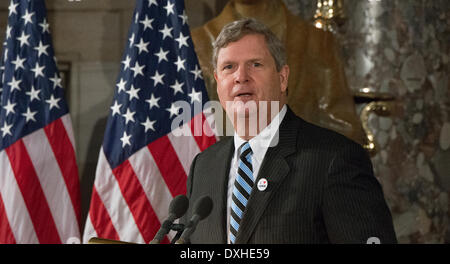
x,y
321,190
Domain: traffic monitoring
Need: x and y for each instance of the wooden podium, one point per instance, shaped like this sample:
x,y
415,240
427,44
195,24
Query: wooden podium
x,y
97,240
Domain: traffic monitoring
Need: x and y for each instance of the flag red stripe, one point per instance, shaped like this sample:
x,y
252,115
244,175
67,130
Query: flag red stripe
x,y
169,165
201,130
32,193
137,201
6,234
100,219
65,156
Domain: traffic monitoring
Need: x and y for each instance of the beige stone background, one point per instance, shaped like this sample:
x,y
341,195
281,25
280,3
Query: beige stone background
x,y
400,47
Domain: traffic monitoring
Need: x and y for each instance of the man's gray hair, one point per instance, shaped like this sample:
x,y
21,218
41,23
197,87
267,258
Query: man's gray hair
x,y
236,30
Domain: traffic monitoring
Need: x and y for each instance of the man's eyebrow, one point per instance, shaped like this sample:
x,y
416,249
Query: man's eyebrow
x,y
255,59
230,61
227,62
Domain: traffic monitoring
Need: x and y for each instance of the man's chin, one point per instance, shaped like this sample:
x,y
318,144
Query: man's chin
x,y
245,111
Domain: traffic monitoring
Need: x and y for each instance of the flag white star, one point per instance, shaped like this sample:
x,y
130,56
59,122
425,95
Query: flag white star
x,y
9,107
45,26
116,108
153,101
29,115
183,17
5,56
56,81
19,62
136,18
173,110
195,96
148,124
182,40
133,92
166,31
53,102
38,70
142,46
23,39
147,22
125,139
131,39
6,129
126,62
162,55
42,49
177,87
157,78
27,17
8,32
169,8
12,8
129,116
197,73
152,2
34,94
14,84
137,69
121,85
180,64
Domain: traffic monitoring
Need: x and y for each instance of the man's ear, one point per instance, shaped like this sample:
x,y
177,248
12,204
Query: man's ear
x,y
284,77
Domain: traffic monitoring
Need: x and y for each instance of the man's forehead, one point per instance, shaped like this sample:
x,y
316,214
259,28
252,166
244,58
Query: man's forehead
x,y
249,36
251,46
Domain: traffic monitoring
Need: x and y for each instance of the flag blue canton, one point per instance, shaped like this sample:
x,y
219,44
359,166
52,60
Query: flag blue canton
x,y
30,87
159,68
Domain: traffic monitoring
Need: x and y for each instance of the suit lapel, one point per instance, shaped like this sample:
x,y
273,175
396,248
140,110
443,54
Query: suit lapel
x,y
223,167
274,168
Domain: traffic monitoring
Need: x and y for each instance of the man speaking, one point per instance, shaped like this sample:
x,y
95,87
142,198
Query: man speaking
x,y
279,179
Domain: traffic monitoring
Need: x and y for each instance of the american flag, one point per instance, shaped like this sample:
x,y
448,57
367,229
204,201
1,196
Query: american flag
x,y
143,164
39,185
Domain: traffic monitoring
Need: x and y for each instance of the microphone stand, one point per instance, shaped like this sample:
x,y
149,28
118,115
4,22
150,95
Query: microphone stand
x,y
179,228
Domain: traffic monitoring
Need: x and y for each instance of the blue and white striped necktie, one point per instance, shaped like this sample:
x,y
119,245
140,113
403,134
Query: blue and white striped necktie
x,y
242,189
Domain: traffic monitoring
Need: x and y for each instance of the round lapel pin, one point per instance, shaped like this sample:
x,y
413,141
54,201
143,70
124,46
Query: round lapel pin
x,y
262,184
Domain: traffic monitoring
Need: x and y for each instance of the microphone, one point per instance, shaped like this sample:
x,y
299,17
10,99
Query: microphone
x,y
177,208
202,208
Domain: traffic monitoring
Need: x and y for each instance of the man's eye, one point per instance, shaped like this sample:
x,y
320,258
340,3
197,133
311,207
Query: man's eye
x,y
257,64
227,67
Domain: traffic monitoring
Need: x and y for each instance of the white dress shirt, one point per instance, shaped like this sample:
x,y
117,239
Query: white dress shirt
x,y
259,145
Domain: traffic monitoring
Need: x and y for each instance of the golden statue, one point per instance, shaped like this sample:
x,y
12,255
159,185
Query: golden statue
x,y
318,90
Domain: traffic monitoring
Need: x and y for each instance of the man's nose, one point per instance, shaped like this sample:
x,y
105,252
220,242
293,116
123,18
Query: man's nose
x,y
241,75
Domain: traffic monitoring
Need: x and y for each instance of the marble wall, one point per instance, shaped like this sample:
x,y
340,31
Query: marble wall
x,y
403,48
